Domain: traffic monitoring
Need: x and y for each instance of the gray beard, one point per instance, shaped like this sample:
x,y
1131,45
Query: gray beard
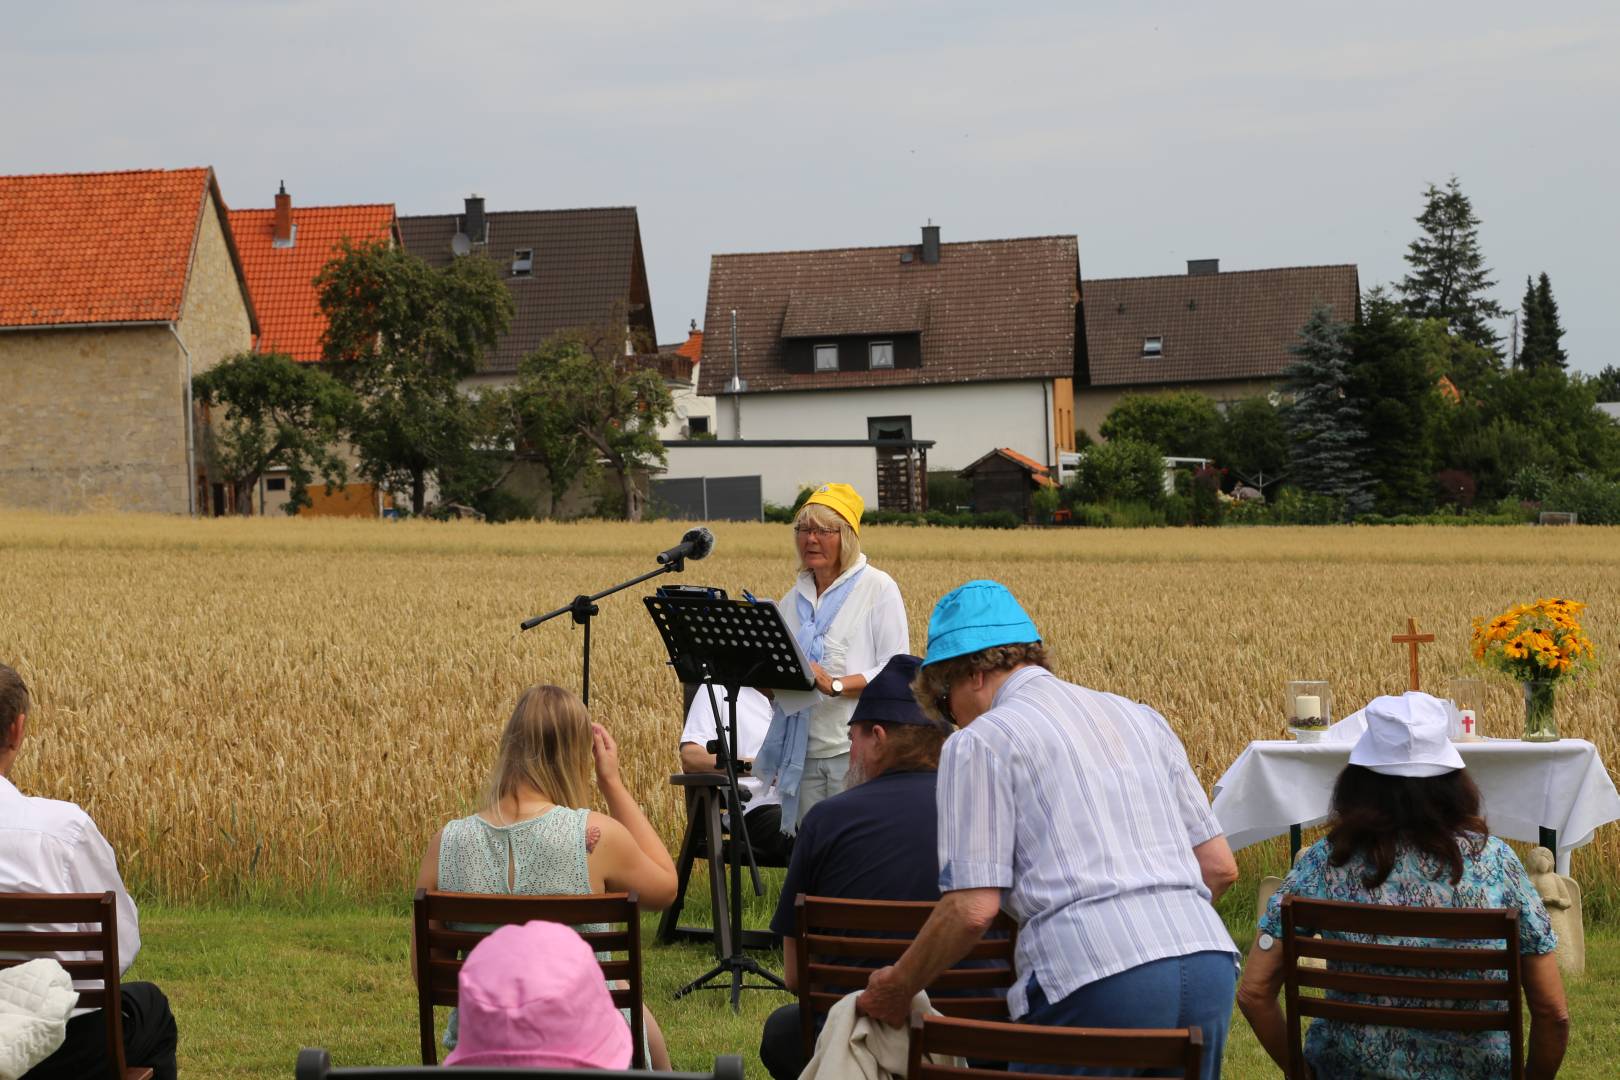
x,y
856,775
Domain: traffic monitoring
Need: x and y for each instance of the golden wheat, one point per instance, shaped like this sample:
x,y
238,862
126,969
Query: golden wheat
x,y
296,705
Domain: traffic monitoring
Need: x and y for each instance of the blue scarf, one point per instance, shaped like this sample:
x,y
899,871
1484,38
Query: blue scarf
x,y
781,756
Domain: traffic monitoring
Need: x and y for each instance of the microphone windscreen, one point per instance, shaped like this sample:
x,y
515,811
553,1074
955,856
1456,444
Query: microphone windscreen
x,y
702,541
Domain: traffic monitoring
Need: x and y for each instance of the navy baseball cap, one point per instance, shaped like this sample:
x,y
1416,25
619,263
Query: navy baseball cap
x,y
888,699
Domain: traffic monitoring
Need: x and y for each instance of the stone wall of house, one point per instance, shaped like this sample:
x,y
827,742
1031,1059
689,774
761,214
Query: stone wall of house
x,y
92,419
214,317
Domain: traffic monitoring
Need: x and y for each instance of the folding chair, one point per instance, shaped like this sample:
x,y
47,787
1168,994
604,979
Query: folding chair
x,y
440,949
315,1064
1402,972
987,1041
83,909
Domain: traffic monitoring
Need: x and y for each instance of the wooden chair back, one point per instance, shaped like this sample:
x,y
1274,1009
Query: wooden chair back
x,y
64,909
989,1042
440,949
316,1064
1404,972
840,943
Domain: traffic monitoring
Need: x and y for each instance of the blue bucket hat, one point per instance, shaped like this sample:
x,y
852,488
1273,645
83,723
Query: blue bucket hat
x,y
974,616
888,699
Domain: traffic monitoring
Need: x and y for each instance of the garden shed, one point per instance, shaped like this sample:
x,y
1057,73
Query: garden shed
x,y
1004,479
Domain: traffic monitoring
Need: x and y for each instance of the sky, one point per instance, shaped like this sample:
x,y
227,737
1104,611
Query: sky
x,y
1260,134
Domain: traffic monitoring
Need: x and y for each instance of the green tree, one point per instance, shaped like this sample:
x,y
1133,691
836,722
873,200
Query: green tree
x,y
1254,443
581,385
402,335
276,414
1120,470
1324,427
1449,277
1394,389
1540,326
1181,423
1606,384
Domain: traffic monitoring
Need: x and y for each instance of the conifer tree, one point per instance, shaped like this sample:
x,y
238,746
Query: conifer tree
x,y
1542,334
1449,277
1324,423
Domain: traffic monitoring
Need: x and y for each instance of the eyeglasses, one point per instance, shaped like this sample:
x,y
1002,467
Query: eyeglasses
x,y
815,530
942,704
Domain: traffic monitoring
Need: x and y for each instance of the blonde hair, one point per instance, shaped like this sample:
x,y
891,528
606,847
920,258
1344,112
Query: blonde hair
x,y
546,746
825,517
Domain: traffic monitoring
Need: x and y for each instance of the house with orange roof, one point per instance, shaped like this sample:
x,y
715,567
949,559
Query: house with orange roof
x,y
283,248
115,289
692,416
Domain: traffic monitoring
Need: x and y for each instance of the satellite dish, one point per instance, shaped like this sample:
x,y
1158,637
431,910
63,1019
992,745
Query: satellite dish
x,y
460,245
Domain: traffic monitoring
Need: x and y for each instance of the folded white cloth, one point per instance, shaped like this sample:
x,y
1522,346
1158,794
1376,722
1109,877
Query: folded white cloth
x,y
856,1047
36,999
1349,729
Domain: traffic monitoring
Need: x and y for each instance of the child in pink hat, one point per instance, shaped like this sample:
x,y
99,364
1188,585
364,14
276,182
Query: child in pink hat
x,y
533,996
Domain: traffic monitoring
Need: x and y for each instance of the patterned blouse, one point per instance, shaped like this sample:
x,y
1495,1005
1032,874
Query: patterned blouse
x,y
1492,879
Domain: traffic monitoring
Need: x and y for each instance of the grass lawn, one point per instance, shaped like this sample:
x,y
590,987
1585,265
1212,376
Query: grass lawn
x,y
251,986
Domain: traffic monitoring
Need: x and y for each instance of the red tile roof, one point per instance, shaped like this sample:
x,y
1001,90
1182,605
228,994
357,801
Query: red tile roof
x,y
988,310
282,280
88,248
1226,325
692,347
1040,474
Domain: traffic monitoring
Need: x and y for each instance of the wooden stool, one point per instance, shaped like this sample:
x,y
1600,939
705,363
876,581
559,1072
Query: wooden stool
x,y
706,799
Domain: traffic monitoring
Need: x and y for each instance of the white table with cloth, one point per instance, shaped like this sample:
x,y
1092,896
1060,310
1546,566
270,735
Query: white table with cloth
x,y
1531,790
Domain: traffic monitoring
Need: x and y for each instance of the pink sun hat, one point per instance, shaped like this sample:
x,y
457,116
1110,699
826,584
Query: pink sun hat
x,y
533,996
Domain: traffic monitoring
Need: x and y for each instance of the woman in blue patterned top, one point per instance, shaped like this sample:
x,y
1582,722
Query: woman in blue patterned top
x,y
1406,829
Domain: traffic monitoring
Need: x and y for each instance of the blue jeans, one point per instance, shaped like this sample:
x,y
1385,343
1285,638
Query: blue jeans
x,y
1176,992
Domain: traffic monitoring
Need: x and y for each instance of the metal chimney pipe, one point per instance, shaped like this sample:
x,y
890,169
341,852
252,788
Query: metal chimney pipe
x,y
737,386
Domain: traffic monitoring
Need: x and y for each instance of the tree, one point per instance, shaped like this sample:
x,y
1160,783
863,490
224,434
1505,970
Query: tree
x,y
1181,423
1449,277
1542,332
402,334
1324,429
278,414
1254,444
1606,384
1120,470
1394,389
585,384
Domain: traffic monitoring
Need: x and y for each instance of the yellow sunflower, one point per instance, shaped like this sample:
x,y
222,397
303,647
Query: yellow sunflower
x,y
1517,649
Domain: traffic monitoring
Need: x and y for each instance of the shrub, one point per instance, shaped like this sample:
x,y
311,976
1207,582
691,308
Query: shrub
x,y
1047,501
1532,483
1180,422
1205,502
949,492
1177,510
1123,470
1593,500
1291,506
1456,487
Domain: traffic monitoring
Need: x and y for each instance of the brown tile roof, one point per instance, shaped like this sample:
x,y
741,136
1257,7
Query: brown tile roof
x,y
1229,325
282,280
587,263
988,310
112,247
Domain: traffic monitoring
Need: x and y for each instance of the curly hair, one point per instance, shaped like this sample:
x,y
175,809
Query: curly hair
x,y
934,681
13,699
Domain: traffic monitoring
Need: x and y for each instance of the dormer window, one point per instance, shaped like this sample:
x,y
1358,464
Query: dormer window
x,y
1153,347
880,354
826,357
523,262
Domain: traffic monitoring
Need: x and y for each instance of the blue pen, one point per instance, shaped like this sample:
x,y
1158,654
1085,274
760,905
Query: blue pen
x,y
749,597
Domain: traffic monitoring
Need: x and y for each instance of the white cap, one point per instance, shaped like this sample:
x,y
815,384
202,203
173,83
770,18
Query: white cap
x,y
1407,736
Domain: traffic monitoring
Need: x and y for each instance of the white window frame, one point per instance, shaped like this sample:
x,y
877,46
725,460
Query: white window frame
x,y
872,354
1153,347
816,353
523,256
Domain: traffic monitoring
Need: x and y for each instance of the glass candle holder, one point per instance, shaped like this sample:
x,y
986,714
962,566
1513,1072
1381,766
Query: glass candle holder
x,y
1468,698
1308,705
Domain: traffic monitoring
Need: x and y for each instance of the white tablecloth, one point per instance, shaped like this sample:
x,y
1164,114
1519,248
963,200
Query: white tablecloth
x,y
1527,786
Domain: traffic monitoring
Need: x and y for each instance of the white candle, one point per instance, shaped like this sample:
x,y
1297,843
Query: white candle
x,y
1468,721
1307,707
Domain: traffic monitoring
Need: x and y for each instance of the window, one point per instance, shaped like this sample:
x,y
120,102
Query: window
x,y
697,425
826,358
523,262
1153,347
275,483
888,427
881,354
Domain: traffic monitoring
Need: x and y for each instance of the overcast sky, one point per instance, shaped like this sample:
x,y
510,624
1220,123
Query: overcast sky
x,y
1259,134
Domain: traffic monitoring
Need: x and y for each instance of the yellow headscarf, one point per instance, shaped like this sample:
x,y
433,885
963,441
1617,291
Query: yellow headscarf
x,y
843,500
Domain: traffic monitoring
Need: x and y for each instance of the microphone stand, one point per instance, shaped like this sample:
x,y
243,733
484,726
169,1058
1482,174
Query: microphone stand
x,y
583,608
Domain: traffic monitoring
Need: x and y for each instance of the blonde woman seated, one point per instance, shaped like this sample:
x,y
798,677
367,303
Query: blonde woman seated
x,y
535,835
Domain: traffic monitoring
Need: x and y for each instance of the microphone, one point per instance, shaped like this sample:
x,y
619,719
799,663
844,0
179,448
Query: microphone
x,y
696,544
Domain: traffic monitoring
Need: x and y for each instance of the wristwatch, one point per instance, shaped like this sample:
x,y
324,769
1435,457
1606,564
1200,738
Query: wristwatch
x,y
838,686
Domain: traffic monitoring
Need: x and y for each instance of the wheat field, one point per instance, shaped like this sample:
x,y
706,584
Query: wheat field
x,y
290,708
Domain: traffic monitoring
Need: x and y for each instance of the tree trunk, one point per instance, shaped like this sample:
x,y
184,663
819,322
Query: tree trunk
x,y
244,496
418,491
632,497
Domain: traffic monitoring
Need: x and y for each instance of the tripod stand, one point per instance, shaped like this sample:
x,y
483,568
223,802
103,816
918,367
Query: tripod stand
x,y
734,643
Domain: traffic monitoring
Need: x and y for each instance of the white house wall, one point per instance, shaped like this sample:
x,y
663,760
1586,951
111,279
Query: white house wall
x,y
965,420
783,470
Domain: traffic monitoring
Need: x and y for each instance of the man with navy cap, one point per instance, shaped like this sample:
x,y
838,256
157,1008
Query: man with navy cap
x,y
873,841
1090,797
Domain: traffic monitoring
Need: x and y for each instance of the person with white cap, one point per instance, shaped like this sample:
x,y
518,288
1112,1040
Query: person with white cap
x,y
1078,813
849,618
1405,828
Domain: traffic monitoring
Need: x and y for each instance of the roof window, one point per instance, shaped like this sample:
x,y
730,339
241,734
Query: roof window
x,y
523,262
1153,347
826,357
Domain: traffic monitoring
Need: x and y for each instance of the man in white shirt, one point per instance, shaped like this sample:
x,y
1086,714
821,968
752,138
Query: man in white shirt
x,y
48,846
763,805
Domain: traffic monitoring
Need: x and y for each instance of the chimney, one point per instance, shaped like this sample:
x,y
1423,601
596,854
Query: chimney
x,y
474,223
1203,267
930,244
286,233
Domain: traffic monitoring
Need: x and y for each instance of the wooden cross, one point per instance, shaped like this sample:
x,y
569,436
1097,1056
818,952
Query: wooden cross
x,y
1412,639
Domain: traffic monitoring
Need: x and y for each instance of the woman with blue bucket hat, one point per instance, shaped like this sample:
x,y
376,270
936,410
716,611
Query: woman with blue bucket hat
x,y
1091,798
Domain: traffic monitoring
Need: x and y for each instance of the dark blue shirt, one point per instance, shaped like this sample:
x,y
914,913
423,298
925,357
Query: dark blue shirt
x,y
876,841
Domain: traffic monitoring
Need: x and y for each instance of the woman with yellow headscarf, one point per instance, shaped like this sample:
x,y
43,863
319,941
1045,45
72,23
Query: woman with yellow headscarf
x,y
849,619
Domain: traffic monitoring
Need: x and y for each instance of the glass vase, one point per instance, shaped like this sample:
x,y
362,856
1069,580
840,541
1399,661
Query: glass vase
x,y
1540,716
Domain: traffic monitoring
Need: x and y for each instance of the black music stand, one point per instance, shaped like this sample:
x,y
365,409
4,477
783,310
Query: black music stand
x,y
732,644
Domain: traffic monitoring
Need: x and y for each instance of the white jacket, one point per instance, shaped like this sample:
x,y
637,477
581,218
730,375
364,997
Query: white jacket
x,y
856,1047
35,1000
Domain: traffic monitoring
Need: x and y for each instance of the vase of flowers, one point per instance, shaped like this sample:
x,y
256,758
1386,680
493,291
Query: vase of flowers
x,y
1540,645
